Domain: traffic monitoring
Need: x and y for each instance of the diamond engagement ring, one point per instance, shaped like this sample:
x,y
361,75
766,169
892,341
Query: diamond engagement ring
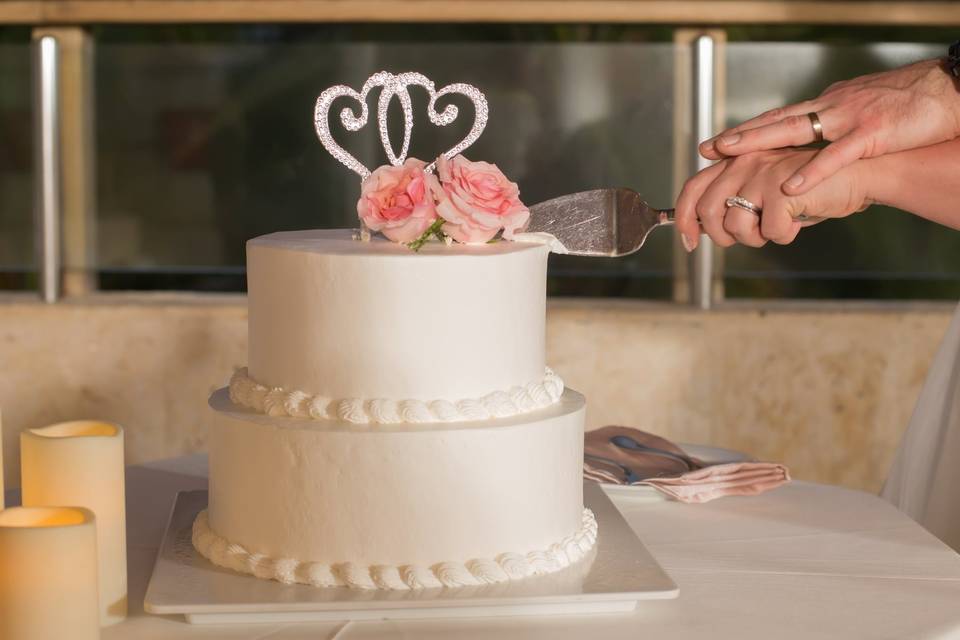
x,y
743,203
817,127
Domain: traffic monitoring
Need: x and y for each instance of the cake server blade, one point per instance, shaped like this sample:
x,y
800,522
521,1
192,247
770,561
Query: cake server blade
x,y
602,222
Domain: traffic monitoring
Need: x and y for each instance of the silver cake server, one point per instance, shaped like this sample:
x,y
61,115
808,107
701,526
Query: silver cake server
x,y
602,222
605,222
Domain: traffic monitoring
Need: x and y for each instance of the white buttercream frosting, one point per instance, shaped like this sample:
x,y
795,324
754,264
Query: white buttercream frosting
x,y
541,237
413,494
505,566
277,401
346,319
396,428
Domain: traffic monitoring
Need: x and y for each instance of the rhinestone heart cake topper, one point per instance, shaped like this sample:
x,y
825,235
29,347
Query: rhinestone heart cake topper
x,y
411,201
395,85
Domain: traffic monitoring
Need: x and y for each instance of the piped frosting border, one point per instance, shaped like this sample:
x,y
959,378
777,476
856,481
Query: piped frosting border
x,y
506,566
280,402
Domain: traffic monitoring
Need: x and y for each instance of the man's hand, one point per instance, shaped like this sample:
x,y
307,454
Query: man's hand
x,y
914,106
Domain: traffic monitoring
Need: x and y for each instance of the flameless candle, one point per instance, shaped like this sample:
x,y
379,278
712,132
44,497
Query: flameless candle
x,y
48,574
81,463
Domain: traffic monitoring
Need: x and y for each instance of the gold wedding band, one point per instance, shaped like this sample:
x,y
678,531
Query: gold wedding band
x,y
817,127
743,203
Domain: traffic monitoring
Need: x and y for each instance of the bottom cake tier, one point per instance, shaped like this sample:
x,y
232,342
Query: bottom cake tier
x,y
331,503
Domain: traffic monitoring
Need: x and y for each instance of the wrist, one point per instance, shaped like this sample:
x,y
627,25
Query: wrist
x,y
874,181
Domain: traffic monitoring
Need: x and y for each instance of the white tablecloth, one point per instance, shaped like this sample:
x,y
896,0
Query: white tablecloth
x,y
803,561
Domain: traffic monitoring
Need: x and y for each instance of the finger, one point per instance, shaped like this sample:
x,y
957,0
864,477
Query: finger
x,y
813,208
792,131
708,148
744,225
686,214
712,205
778,224
827,162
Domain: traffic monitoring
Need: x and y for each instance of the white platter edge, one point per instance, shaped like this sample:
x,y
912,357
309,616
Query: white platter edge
x,y
486,611
618,574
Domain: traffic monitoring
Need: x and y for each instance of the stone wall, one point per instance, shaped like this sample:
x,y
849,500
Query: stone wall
x,y
827,389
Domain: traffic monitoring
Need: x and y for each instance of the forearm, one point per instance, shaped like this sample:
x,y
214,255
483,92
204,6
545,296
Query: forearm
x,y
924,181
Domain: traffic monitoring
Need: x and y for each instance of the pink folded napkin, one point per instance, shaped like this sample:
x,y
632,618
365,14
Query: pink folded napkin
x,y
627,456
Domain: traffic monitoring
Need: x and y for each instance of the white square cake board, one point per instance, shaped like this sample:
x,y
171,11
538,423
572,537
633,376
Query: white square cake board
x,y
613,578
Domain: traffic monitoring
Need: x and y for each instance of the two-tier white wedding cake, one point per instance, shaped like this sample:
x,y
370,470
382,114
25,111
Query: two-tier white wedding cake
x,y
397,426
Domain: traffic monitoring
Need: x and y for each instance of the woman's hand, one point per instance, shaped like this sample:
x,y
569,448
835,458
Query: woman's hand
x,y
757,177
914,106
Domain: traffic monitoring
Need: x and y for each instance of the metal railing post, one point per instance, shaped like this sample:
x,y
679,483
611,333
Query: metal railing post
x,y
47,165
701,275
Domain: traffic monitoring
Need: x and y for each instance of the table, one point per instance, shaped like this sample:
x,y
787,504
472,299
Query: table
x,y
803,561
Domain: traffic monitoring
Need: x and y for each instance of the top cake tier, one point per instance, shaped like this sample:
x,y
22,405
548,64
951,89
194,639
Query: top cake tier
x,y
339,318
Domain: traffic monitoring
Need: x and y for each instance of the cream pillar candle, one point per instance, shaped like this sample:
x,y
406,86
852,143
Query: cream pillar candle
x,y
48,574
81,463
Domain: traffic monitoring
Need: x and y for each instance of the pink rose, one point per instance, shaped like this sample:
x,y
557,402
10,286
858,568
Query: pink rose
x,y
399,201
477,200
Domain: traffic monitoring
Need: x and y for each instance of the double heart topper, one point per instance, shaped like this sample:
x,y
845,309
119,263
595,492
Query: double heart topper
x,y
408,200
395,85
